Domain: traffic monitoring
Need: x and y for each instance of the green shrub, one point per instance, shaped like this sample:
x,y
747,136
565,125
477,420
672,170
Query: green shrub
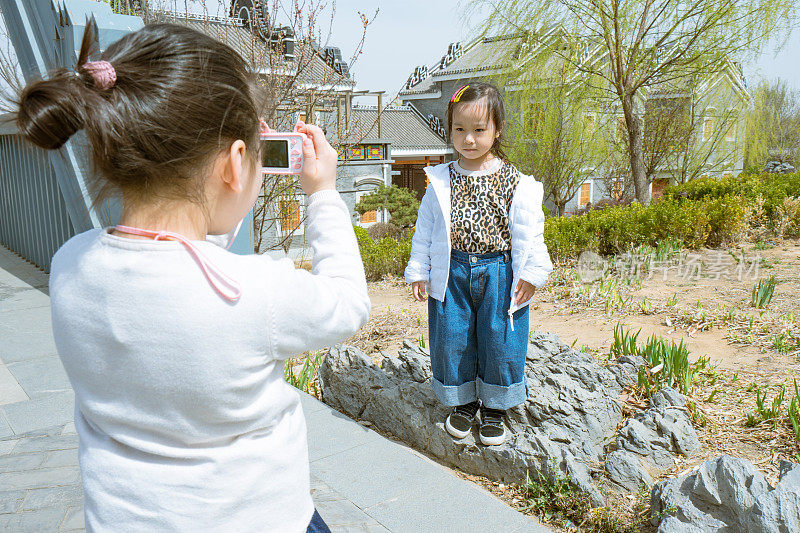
x,y
379,230
401,203
772,187
725,219
383,256
708,221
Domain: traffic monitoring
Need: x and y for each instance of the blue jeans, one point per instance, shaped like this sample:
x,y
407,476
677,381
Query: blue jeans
x,y
317,524
474,353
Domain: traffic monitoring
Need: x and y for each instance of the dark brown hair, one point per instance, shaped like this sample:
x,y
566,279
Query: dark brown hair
x,y
180,98
494,103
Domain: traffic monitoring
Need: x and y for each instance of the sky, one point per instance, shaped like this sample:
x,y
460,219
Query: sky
x,y
409,33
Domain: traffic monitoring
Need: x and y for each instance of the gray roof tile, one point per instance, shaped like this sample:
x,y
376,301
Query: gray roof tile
x,y
401,126
251,48
484,54
480,55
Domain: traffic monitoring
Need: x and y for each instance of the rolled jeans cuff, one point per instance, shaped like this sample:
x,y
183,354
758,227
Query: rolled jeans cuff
x,y
502,396
452,395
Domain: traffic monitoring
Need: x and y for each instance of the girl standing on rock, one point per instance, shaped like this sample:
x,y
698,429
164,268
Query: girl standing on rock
x,y
175,346
478,249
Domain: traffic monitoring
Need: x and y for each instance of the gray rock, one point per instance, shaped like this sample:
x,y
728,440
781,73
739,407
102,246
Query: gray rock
x,y
778,511
659,432
727,494
668,397
561,429
673,427
789,476
777,167
672,524
625,469
626,369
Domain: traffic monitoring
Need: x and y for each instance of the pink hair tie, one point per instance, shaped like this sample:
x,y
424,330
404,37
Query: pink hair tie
x,y
102,72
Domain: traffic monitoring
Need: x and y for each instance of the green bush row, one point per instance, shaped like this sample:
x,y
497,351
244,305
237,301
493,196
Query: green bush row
x,y
773,188
703,212
383,256
709,221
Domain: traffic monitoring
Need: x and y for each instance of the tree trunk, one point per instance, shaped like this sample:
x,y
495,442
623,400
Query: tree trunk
x,y
639,174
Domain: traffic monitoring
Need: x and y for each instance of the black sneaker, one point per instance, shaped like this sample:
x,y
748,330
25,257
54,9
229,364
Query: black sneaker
x,y
492,431
459,422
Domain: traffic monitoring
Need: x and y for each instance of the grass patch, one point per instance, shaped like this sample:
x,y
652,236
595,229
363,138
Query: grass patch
x,y
560,503
762,293
304,376
668,363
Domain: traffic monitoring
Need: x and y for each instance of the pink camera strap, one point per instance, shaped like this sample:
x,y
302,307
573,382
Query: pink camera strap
x,y
227,287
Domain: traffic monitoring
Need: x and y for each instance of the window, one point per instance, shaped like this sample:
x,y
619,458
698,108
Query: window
x,y
708,128
730,135
586,194
356,152
289,215
617,190
369,217
375,151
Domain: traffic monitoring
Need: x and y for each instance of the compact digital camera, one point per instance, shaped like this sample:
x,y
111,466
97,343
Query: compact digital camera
x,y
281,153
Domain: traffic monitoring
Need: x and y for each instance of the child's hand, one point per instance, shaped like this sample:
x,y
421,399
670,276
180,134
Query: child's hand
x,y
319,160
523,292
418,290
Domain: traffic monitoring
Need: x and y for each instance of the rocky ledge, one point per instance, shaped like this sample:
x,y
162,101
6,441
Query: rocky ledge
x,y
564,428
726,495
572,424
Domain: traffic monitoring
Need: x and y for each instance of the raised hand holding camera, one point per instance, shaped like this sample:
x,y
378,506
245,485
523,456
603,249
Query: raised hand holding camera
x,y
305,151
319,160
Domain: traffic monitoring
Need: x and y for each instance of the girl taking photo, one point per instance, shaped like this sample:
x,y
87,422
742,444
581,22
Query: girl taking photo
x,y
175,347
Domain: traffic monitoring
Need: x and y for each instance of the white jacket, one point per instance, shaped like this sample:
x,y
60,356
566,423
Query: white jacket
x,y
430,246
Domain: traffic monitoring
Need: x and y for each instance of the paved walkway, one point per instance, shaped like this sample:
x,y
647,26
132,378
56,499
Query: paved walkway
x,y
360,481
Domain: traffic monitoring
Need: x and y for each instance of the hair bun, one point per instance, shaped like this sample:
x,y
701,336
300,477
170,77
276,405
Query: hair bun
x,y
52,110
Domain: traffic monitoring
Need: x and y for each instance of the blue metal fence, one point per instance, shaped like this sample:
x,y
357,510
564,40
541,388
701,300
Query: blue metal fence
x,y
33,216
43,196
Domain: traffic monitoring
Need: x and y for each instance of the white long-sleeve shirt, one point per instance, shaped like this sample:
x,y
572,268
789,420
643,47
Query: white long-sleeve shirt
x,y
183,417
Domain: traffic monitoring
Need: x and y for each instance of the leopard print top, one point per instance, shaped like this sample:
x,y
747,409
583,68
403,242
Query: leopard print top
x,y
479,209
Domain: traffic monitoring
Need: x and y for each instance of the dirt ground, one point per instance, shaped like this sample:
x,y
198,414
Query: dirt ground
x,y
395,313
702,299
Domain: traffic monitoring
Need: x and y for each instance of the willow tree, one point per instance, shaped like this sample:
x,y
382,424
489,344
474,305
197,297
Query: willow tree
x,y
557,136
643,44
773,125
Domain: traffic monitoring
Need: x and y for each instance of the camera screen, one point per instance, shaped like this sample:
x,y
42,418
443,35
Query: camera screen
x,y
275,154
